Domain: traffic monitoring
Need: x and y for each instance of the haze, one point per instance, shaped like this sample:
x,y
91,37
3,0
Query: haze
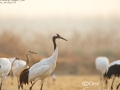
x,y
60,15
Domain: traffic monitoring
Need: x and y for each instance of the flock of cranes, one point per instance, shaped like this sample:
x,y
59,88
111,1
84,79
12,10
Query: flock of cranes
x,y
44,68
26,74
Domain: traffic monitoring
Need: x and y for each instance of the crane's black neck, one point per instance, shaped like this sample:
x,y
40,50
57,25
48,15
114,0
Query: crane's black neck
x,y
54,43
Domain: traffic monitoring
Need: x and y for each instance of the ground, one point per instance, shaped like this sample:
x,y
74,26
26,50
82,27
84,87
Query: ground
x,y
68,82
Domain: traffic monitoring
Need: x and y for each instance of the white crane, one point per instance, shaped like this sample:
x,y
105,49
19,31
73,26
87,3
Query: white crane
x,y
113,71
42,69
53,76
19,65
101,65
5,66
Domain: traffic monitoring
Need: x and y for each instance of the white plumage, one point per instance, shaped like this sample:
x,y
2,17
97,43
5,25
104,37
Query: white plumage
x,y
42,69
53,76
101,65
113,63
17,66
5,66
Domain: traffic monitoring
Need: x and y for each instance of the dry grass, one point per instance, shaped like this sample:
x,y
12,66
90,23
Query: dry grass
x,y
62,83
77,55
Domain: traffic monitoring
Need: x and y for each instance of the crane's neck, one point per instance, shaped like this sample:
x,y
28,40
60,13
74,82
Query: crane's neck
x,y
54,43
55,53
12,60
27,60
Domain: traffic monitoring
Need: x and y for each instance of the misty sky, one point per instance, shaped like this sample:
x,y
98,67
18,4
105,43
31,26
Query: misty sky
x,y
60,14
61,8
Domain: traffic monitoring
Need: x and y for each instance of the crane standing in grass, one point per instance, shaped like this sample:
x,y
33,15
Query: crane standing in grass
x,y
42,69
113,71
5,66
19,65
101,65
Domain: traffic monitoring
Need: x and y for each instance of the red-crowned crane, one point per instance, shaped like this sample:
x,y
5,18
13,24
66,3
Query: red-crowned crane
x,y
42,69
101,65
19,65
113,71
5,66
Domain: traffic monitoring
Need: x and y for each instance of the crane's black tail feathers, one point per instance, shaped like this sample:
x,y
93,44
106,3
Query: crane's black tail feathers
x,y
114,70
24,76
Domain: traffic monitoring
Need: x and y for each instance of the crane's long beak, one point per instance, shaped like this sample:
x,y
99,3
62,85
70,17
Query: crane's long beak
x,y
63,38
33,52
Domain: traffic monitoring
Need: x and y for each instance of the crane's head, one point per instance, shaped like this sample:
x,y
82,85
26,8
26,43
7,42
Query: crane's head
x,y
59,37
30,52
16,58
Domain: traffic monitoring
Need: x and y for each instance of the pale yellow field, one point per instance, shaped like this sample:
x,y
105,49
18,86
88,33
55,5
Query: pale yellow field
x,y
62,83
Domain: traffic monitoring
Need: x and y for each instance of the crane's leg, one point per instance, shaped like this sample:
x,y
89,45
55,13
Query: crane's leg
x,y
117,86
2,80
18,83
106,84
42,81
33,84
101,80
112,83
0,85
11,74
22,86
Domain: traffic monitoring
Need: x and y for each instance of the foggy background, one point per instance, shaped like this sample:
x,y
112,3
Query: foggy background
x,y
90,26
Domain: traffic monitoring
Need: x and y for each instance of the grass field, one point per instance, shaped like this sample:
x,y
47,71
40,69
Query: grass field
x,y
63,83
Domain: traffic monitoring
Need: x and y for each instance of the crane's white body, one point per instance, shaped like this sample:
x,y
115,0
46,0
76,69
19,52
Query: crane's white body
x,y
5,66
44,68
102,64
117,62
114,62
53,76
17,66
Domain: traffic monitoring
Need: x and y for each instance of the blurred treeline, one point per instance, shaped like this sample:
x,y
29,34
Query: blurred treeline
x,y
76,56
